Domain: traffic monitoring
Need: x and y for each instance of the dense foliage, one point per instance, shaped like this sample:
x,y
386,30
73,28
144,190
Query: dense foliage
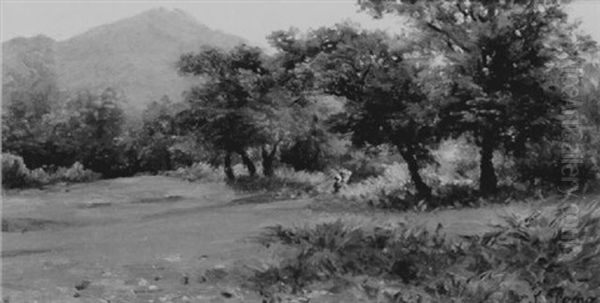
x,y
543,254
501,57
385,102
245,102
15,174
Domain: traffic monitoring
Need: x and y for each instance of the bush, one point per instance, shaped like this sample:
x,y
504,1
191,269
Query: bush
x,y
456,160
286,183
369,162
556,249
395,176
542,254
199,171
456,194
391,190
75,174
334,249
314,180
543,161
41,176
14,172
16,175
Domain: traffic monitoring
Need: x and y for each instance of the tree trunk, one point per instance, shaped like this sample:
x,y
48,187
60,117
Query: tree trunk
x,y
423,190
227,167
267,160
487,179
248,163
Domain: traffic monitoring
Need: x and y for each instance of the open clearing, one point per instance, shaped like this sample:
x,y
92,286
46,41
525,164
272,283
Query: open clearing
x,y
151,239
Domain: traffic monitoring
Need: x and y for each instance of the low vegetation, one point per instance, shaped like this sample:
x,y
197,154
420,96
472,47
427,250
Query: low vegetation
x,y
538,255
15,174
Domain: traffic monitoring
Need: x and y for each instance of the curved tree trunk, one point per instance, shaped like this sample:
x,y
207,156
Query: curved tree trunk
x,y
248,163
423,190
227,167
267,160
488,182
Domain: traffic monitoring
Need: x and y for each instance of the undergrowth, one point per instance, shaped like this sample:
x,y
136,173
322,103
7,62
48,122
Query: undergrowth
x,y
15,174
538,256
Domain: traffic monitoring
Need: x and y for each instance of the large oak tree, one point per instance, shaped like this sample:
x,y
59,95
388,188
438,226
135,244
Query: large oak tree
x,y
500,55
380,80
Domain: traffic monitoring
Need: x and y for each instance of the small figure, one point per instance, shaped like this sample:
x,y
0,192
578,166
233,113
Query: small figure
x,y
341,178
337,184
346,174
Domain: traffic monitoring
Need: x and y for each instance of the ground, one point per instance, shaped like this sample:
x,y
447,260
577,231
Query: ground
x,y
153,238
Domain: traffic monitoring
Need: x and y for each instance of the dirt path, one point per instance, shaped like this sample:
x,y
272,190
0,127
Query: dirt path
x,y
114,233
147,239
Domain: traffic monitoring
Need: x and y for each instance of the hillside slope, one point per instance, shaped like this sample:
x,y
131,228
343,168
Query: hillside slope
x,y
136,55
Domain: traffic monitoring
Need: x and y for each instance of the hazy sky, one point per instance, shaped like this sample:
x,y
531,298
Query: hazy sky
x,y
252,20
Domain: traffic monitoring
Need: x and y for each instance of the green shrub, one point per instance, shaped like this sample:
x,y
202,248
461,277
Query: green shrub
x,y
369,162
41,176
16,175
285,179
14,172
198,171
456,160
314,180
538,255
75,174
456,194
548,250
320,252
543,161
333,249
395,176
285,182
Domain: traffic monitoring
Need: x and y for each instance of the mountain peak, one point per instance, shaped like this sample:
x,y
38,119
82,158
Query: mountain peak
x,y
160,25
161,10
137,55
161,14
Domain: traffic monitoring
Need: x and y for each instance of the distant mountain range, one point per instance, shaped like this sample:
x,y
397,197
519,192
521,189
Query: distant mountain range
x,y
136,55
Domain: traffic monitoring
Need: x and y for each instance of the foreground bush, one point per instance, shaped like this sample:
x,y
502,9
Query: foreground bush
x,y
557,251
539,256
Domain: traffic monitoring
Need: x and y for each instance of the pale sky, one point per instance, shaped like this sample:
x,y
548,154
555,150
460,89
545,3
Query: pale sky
x,y
250,19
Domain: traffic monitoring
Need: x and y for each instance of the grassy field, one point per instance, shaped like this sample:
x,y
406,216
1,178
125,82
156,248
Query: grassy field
x,y
161,239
